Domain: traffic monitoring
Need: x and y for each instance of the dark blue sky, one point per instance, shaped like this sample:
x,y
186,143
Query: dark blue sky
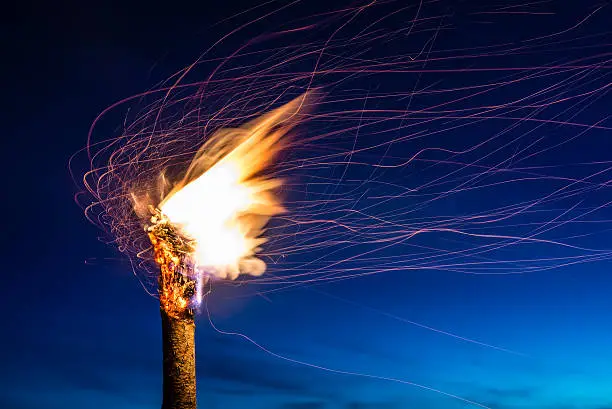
x,y
79,331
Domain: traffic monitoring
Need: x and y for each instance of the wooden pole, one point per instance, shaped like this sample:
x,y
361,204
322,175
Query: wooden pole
x,y
177,289
179,382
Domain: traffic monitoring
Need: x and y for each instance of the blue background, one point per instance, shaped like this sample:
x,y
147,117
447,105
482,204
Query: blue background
x,y
79,332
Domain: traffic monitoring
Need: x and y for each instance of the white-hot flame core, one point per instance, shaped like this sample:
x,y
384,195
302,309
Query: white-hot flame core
x,y
206,210
225,207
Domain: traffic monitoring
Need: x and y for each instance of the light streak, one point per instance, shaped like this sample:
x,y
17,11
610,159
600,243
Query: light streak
x,y
469,159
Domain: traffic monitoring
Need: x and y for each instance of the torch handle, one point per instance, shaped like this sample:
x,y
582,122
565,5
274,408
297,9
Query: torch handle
x,y
179,382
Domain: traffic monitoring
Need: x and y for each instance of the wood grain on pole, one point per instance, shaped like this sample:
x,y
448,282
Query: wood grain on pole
x,y
179,382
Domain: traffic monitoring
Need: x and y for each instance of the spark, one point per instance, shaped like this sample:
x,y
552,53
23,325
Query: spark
x,y
467,160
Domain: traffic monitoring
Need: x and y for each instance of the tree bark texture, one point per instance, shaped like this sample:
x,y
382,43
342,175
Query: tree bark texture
x,y
179,383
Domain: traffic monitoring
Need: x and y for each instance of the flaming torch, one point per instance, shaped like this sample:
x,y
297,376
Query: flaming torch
x,y
177,286
209,226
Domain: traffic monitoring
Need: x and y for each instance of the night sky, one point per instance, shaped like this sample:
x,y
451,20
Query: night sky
x,y
79,331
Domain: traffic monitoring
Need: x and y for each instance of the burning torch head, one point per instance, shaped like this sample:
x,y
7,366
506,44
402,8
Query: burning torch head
x,y
217,212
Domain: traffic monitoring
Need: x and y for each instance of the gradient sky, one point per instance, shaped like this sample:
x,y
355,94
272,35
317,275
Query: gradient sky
x,y
79,331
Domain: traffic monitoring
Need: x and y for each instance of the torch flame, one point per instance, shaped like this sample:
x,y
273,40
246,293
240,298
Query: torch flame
x,y
226,198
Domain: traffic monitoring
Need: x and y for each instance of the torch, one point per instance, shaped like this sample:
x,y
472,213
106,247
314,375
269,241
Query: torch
x,y
210,226
177,286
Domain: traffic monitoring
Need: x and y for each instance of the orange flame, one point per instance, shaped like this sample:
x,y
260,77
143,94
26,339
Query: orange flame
x,y
225,199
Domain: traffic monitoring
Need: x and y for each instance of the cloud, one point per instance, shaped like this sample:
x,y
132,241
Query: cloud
x,y
303,405
511,393
230,391
541,405
250,372
371,405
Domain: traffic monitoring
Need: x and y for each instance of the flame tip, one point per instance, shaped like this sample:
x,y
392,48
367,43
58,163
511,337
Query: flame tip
x,y
227,196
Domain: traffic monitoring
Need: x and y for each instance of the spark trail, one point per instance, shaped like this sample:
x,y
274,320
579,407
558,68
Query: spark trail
x,y
422,153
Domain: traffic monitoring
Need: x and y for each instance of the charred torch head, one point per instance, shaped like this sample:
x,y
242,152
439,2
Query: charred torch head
x,y
191,233
174,254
